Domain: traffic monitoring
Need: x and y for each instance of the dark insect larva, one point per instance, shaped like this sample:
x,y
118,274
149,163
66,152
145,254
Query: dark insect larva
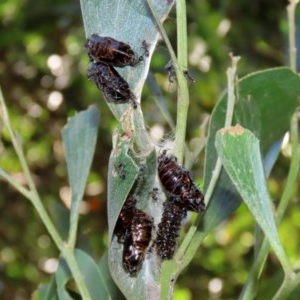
x,y
178,182
123,226
109,81
136,241
168,229
110,51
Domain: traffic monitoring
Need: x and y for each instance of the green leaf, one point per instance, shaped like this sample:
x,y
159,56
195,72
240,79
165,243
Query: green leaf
x,y
266,101
122,173
62,276
46,291
60,215
79,138
239,151
129,21
114,291
131,174
93,277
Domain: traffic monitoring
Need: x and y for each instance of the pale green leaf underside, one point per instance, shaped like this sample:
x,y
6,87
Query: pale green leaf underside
x,y
79,138
128,21
239,151
265,102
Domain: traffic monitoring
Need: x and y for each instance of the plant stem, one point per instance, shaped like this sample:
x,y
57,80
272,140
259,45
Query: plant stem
x,y
292,43
159,99
33,196
289,284
15,184
231,99
68,254
187,250
183,94
231,79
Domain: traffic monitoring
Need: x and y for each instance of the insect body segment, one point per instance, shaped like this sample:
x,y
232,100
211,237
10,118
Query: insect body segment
x,y
109,81
183,195
110,51
137,241
123,225
133,229
178,183
168,229
106,53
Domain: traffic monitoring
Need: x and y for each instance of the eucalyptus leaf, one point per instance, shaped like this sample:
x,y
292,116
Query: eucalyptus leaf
x,y
139,179
247,174
114,291
265,102
60,215
122,174
93,277
132,165
129,21
79,138
46,291
62,276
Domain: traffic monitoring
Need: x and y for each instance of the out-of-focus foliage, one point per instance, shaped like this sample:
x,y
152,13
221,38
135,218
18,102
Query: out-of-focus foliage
x,y
42,75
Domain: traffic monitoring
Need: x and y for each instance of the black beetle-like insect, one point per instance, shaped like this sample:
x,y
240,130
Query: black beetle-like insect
x,y
123,226
109,81
178,182
136,241
110,51
168,228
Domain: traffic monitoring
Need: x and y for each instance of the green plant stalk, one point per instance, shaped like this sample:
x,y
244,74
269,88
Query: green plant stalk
x,y
74,219
168,280
231,80
68,255
293,172
34,198
193,155
292,43
182,90
159,99
165,38
290,282
187,249
183,93
15,184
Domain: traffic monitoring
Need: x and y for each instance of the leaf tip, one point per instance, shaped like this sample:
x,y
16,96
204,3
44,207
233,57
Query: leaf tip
x,y
233,130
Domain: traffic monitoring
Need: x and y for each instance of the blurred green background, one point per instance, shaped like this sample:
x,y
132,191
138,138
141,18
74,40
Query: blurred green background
x,y
42,76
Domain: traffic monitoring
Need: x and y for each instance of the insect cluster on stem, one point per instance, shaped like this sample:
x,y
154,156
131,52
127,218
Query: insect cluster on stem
x,y
183,195
106,53
133,229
